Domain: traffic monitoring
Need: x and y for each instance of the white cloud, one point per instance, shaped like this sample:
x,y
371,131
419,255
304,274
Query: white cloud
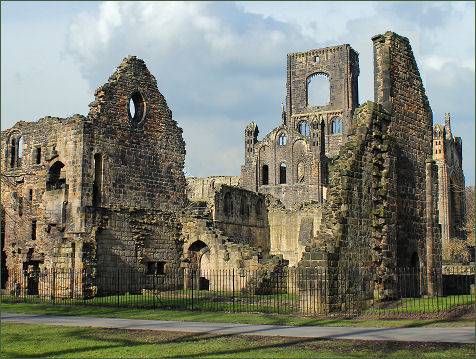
x,y
221,65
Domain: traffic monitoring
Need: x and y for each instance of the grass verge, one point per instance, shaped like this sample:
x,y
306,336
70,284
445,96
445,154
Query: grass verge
x,y
244,318
32,340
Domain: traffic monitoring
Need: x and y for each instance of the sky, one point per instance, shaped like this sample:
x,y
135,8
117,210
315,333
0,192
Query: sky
x,y
222,65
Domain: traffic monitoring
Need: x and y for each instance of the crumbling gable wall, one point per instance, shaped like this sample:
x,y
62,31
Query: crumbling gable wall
x,y
381,210
143,157
358,224
399,88
135,185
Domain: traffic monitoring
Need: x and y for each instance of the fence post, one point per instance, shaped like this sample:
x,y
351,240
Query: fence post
x,y
192,279
233,279
53,287
118,287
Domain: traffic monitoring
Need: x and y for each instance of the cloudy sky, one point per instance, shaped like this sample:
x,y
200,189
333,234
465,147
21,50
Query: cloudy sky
x,y
223,65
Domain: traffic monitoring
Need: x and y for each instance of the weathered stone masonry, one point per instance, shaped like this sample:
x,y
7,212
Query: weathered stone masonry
x,y
108,189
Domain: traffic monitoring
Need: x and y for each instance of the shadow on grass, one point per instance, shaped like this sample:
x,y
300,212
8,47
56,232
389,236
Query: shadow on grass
x,y
196,342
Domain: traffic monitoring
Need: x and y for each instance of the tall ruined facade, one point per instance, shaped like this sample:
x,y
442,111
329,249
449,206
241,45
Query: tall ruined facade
x,y
381,211
98,193
290,162
448,155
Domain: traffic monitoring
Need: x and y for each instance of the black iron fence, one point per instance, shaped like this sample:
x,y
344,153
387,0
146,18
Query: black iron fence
x,y
349,291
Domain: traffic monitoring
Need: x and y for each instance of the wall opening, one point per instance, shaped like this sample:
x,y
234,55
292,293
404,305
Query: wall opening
x,y
264,175
56,178
199,255
156,268
318,90
336,125
33,230
282,139
38,155
303,128
282,173
98,179
228,205
13,152
20,150
136,107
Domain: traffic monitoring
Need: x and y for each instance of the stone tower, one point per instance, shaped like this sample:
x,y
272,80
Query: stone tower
x,y
291,161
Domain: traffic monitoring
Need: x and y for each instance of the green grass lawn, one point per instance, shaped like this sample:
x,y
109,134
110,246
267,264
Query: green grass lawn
x,y
245,318
35,341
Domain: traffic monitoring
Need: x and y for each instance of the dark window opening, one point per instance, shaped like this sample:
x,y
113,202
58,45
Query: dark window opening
x,y
56,177
30,195
415,262
13,153
265,175
282,173
156,268
20,206
33,230
228,205
98,179
136,107
38,155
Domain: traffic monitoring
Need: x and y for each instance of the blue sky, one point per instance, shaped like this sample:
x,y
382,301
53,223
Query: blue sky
x,y
223,65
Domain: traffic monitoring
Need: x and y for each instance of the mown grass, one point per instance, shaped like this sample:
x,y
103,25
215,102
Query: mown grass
x,y
37,341
217,317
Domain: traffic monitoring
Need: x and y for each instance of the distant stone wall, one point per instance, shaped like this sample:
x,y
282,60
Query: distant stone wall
x,y
291,230
242,215
203,188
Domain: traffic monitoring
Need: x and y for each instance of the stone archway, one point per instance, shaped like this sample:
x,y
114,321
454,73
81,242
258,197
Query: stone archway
x,y
200,264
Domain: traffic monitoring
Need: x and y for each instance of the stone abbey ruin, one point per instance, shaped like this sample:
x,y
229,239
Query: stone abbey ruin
x,y
335,185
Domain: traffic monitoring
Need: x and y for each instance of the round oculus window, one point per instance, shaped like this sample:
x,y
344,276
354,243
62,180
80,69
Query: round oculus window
x,y
136,107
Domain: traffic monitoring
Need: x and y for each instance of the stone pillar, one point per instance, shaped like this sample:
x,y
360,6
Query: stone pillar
x,y
432,255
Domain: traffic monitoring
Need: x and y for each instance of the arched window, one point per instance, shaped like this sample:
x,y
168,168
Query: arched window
x,y
98,179
318,90
282,139
13,152
282,173
303,128
20,148
300,172
56,177
336,125
264,175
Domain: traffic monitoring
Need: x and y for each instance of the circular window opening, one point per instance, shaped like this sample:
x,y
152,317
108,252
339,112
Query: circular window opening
x,y
136,107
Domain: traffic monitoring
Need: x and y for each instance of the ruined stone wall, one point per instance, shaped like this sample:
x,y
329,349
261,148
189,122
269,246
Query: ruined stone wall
x,y
27,196
203,189
358,222
242,215
291,230
447,153
399,88
341,65
143,157
141,174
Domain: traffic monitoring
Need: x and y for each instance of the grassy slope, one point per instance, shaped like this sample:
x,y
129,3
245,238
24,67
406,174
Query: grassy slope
x,y
27,340
244,318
